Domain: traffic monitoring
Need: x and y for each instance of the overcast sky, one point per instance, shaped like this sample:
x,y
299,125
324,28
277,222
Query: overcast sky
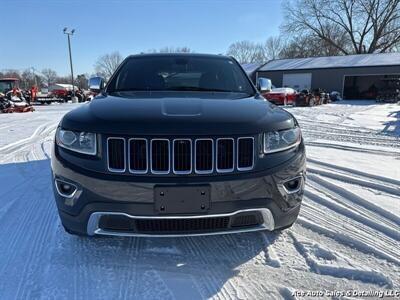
x,y
31,34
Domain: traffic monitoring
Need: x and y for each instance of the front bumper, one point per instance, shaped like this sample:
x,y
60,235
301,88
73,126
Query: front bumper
x,y
256,195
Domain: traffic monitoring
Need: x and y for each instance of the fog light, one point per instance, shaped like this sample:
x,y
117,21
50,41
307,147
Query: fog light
x,y
65,189
293,185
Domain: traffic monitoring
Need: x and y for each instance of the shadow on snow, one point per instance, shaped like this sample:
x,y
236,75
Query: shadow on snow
x,y
39,260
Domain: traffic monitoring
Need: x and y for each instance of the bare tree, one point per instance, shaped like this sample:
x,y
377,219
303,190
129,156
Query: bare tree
x,y
247,52
307,46
81,81
351,26
273,47
49,76
107,64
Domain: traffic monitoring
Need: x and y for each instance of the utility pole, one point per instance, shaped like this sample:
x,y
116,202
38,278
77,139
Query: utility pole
x,y
70,33
34,75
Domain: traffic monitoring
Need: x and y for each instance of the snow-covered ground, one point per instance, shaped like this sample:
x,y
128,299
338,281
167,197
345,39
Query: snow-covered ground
x,y
347,236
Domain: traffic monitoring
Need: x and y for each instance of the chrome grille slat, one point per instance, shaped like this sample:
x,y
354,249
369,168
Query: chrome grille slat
x,y
116,154
160,156
181,155
204,156
245,153
137,155
225,155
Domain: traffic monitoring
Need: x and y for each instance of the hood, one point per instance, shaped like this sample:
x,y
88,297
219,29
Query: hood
x,y
169,115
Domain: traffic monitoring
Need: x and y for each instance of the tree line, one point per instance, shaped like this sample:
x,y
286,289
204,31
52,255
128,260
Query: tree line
x,y
45,78
326,28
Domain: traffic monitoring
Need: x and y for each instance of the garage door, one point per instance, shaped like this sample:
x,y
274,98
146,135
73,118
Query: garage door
x,y
298,81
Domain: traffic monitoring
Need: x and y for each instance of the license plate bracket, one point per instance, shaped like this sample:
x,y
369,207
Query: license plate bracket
x,y
182,199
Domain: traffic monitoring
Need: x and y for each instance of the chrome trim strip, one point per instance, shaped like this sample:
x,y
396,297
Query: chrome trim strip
x,y
173,157
151,155
129,156
93,223
233,157
61,193
212,157
108,163
237,154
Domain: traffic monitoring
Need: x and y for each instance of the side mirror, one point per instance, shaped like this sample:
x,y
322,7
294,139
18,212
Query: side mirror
x,y
264,84
96,84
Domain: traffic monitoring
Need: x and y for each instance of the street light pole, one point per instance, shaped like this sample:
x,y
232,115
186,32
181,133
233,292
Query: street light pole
x,y
69,33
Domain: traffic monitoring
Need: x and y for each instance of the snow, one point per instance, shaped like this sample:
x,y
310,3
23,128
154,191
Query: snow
x,y
359,60
347,236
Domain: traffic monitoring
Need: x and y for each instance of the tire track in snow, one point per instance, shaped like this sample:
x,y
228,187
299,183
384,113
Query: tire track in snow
x,y
354,172
344,211
214,275
347,196
352,148
328,262
40,133
346,232
352,180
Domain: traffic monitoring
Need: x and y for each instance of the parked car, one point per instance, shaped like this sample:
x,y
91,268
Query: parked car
x,y
282,96
177,144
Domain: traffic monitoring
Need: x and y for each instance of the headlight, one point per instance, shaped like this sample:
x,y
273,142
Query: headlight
x,y
82,142
281,140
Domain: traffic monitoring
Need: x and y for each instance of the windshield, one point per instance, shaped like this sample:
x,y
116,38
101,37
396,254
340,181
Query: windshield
x,y
5,86
180,73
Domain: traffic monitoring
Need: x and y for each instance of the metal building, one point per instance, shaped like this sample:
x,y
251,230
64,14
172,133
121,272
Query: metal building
x,y
359,76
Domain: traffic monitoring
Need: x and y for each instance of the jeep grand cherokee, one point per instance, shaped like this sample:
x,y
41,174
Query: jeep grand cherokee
x,y
177,144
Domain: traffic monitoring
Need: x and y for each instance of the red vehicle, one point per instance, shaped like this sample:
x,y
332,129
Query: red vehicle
x,y
281,96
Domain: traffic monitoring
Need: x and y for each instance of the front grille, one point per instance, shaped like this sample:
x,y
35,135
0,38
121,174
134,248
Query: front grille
x,y
204,156
160,156
124,223
245,151
116,154
247,219
138,155
180,156
182,225
225,155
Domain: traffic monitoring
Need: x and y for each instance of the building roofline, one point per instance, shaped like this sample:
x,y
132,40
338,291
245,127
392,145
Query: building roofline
x,y
328,68
290,60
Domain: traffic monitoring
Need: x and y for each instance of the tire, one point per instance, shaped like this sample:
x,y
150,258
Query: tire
x,y
72,232
284,227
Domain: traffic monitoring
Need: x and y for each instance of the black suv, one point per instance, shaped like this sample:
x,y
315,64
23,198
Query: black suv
x,y
178,144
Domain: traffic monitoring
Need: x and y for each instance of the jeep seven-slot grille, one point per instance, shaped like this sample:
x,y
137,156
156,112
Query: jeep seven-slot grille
x,y
180,156
204,156
116,154
138,155
225,155
245,146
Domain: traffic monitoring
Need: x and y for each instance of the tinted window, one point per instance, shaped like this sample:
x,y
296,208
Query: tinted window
x,y
180,73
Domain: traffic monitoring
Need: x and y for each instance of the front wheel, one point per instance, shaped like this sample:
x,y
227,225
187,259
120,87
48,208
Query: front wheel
x,y
72,232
